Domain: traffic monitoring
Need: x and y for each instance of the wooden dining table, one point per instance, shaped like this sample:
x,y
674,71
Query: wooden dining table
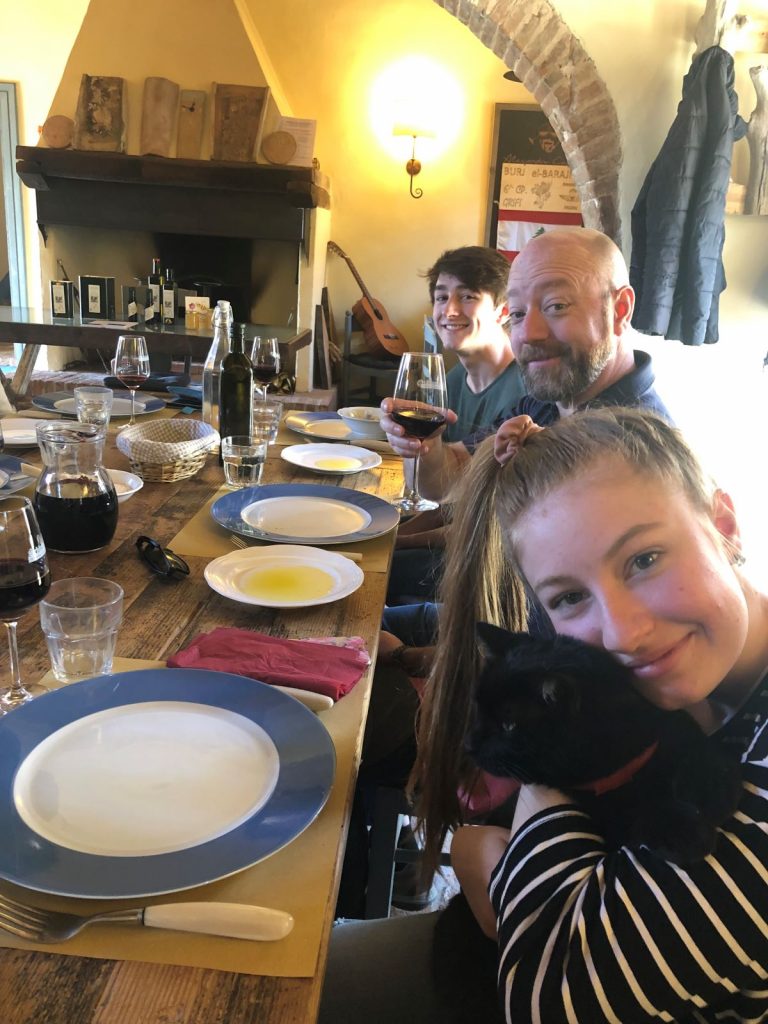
x,y
160,617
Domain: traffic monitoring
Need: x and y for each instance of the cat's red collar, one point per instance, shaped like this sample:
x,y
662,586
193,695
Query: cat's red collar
x,y
622,775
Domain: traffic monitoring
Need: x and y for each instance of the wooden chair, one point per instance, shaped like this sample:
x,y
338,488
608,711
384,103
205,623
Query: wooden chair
x,y
363,365
385,853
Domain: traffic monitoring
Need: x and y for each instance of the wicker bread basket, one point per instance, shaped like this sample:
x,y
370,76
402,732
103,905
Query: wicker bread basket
x,y
167,450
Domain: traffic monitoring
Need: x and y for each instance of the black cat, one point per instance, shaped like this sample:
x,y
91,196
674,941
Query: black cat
x,y
562,714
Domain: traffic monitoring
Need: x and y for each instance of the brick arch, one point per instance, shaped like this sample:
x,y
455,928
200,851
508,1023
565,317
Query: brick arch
x,y
534,41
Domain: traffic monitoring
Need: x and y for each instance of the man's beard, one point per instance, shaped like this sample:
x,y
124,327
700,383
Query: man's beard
x,y
570,379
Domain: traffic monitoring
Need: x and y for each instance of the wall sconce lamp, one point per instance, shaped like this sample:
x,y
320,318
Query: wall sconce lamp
x,y
413,166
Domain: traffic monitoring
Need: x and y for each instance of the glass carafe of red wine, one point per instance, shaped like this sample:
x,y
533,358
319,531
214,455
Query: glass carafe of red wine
x,y
75,499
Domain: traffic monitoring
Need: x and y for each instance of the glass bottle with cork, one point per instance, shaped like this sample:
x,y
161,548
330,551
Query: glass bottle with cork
x,y
222,328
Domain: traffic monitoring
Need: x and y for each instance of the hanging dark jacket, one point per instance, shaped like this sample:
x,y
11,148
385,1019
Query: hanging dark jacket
x,y
678,231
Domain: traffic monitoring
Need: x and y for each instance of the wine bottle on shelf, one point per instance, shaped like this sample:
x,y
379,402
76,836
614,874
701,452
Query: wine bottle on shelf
x,y
236,390
155,283
170,294
222,327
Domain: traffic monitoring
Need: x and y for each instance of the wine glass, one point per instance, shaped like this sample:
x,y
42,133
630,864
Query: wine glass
x,y
131,367
265,356
421,382
24,580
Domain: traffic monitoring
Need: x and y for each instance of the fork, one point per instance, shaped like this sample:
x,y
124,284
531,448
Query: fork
x,y
232,920
353,556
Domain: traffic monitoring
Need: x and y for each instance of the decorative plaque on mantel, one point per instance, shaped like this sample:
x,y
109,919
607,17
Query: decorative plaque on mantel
x,y
238,120
101,120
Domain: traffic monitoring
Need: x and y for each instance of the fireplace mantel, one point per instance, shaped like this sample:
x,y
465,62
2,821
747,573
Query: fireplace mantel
x,y
197,197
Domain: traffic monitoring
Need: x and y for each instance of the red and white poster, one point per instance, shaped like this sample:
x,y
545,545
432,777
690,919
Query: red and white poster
x,y
534,198
532,188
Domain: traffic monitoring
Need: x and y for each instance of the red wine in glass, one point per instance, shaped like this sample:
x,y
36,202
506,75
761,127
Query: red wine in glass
x,y
132,380
265,359
264,372
131,366
419,422
22,586
421,384
24,580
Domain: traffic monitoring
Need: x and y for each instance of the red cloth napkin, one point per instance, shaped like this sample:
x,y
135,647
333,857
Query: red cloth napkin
x,y
321,667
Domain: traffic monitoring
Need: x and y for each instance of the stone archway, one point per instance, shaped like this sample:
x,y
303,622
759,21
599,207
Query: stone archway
x,y
534,41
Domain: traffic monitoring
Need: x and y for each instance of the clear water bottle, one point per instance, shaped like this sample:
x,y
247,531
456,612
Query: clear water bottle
x,y
222,328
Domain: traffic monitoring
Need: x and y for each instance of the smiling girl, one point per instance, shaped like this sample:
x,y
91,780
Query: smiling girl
x,y
606,519
607,522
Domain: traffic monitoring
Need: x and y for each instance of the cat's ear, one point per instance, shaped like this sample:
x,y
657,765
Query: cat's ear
x,y
558,692
492,640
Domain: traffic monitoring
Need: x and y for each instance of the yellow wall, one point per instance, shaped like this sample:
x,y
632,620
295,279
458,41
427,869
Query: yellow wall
x,y
192,42
326,57
35,42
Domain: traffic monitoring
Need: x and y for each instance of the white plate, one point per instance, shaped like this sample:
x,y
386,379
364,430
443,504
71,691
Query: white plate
x,y
19,432
64,403
300,516
126,484
364,420
329,426
175,716
331,458
379,516
284,576
120,406
87,786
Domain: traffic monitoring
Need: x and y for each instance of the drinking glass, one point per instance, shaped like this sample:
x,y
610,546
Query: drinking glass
x,y
94,404
266,420
265,356
80,617
243,459
131,366
24,580
421,383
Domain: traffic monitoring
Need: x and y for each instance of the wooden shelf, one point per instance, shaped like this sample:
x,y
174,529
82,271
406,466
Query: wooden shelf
x,y
201,197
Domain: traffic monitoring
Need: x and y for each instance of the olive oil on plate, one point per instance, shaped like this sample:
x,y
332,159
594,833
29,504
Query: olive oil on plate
x,y
286,583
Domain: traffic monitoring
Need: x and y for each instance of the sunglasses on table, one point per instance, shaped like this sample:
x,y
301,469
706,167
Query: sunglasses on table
x,y
161,560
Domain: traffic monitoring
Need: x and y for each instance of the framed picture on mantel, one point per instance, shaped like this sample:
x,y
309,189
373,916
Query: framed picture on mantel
x,y
238,120
531,188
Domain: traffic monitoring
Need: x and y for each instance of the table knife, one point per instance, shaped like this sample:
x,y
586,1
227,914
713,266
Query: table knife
x,y
233,920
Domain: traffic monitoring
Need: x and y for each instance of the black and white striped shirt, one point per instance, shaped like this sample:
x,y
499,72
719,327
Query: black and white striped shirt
x,y
588,936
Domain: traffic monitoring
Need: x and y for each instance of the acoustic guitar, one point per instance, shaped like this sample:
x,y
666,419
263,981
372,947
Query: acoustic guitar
x,y
380,335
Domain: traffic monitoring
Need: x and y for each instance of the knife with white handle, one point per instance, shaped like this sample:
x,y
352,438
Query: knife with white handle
x,y
316,702
233,920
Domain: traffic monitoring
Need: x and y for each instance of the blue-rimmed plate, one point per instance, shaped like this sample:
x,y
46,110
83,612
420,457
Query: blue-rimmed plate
x,y
189,394
63,403
15,474
305,514
155,781
329,426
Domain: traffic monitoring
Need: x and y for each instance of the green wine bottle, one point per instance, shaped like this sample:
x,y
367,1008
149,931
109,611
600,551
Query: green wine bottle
x,y
236,390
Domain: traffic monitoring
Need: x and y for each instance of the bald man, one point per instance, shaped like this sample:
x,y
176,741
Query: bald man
x,y
570,310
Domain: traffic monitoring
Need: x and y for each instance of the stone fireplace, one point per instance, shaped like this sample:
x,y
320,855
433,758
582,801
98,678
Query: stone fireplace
x,y
250,232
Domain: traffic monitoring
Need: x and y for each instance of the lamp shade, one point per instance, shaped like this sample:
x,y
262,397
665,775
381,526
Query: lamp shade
x,y
413,128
